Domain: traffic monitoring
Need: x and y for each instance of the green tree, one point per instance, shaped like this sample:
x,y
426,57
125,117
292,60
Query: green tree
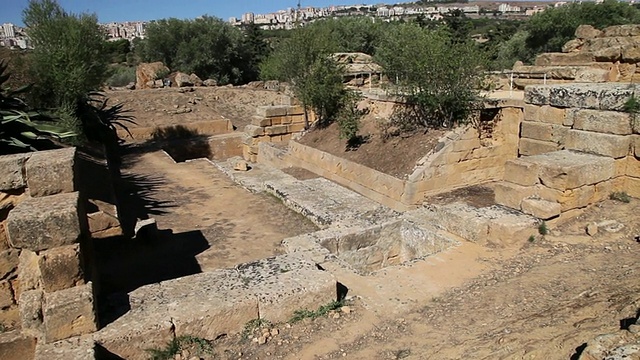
x,y
552,28
439,77
68,58
206,46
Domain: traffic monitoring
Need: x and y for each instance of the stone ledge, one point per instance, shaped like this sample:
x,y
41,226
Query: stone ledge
x,y
51,172
41,223
11,171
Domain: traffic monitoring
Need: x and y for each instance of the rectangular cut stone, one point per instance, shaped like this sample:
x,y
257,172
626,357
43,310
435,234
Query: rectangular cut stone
x,y
78,348
11,171
632,167
60,268
551,115
253,130
614,96
9,260
615,146
521,172
28,270
534,147
293,128
260,121
69,312
6,295
573,58
541,209
633,187
271,111
30,306
16,346
574,96
42,223
537,94
571,198
611,122
511,195
51,172
536,131
565,169
276,130
295,110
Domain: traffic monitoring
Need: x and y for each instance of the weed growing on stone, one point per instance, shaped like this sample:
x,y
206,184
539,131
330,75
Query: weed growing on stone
x,y
302,314
252,325
175,346
542,229
620,196
532,238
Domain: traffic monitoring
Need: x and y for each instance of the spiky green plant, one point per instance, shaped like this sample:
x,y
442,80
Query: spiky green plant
x,y
22,129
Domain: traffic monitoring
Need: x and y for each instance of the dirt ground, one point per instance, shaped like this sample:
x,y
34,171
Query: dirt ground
x,y
396,156
544,300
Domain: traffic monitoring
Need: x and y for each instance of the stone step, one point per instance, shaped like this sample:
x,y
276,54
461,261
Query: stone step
x,y
326,203
493,225
212,304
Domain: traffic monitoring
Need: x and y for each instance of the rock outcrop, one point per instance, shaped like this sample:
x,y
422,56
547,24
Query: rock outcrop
x,y
146,74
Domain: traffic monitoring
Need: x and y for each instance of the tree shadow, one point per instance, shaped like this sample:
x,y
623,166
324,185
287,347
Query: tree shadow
x,y
126,264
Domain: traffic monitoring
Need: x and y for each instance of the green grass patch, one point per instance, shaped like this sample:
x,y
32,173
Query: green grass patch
x,y
323,310
175,346
620,196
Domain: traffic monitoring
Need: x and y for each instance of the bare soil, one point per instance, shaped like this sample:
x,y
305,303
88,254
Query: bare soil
x,y
396,155
544,300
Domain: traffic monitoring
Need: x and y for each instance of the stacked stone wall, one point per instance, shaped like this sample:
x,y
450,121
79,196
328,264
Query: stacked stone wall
x,y
578,144
273,124
45,295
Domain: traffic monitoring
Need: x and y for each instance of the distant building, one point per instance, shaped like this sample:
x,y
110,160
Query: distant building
x,y
9,30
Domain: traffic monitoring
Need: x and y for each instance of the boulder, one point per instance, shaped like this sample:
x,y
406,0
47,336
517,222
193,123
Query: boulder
x,y
572,45
195,80
182,80
210,82
147,72
587,32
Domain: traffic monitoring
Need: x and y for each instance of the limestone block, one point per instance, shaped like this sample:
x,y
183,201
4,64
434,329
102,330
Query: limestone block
x,y
511,195
295,110
69,313
577,198
621,30
536,131
592,75
631,54
632,167
572,45
510,228
541,209
78,348
271,111
260,121
4,241
253,130
103,225
574,58
16,346
632,186
587,32
611,54
611,122
6,295
51,172
30,306
131,335
636,146
615,96
41,223
60,268
565,169
537,94
276,130
299,119
11,171
293,128
574,96
615,146
521,172
534,147
551,115
28,270
9,260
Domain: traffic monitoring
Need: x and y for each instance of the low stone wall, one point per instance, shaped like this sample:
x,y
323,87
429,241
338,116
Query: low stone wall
x,y
44,292
463,157
577,145
273,124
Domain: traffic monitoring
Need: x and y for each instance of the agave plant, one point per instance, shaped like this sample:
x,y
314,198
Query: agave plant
x,y
22,130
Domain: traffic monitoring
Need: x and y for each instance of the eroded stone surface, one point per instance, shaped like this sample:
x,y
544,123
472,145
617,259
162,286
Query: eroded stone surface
x,y
60,268
68,313
11,171
569,170
51,172
79,348
42,223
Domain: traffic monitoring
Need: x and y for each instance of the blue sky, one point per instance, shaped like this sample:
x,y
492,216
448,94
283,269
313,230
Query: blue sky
x,y
123,10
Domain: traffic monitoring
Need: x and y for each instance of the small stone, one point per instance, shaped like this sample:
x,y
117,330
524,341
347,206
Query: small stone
x,y
262,340
240,165
592,229
346,309
287,325
634,329
274,332
336,316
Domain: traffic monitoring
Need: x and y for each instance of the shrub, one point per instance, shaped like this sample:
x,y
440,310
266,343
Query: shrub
x,y
620,196
121,76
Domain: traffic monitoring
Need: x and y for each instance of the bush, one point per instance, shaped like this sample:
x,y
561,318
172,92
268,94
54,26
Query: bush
x,y
438,77
121,76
